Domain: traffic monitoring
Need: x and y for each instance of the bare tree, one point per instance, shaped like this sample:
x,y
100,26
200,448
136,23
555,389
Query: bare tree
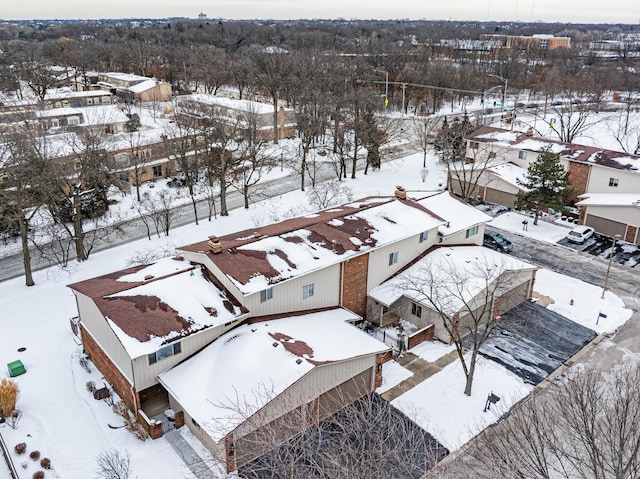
x,y
162,211
583,426
329,193
467,299
424,131
113,464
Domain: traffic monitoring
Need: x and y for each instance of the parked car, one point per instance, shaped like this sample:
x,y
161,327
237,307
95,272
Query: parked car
x,y
494,240
580,234
556,103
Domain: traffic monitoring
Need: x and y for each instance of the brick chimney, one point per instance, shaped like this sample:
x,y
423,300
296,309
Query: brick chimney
x,y
400,193
214,244
530,132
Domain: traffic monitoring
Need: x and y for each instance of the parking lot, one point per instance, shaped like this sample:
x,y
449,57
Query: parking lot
x,y
624,253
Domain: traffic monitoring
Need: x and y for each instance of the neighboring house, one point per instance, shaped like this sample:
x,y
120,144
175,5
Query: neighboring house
x,y
330,258
295,371
127,86
137,323
76,99
296,282
241,113
59,117
612,214
591,170
465,269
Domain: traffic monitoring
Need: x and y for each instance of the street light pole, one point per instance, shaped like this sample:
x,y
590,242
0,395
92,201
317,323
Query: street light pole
x,y
386,87
504,93
606,277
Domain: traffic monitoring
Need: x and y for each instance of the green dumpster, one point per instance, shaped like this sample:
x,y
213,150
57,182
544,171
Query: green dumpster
x,y
16,368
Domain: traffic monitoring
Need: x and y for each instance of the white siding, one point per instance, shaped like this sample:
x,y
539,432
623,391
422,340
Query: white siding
x,y
629,215
94,322
461,237
146,374
628,182
287,295
408,249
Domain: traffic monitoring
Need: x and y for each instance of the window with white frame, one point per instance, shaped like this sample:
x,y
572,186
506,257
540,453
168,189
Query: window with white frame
x,y
472,231
474,145
613,182
416,310
307,291
522,155
393,258
493,154
165,352
424,236
122,160
267,294
73,120
157,171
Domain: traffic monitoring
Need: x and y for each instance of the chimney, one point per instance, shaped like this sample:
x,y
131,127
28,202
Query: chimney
x,y
214,244
530,132
401,193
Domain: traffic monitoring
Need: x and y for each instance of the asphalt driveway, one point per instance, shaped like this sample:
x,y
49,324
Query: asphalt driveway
x,y
624,253
533,341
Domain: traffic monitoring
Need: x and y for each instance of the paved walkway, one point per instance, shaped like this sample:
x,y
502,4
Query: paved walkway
x,y
193,461
421,370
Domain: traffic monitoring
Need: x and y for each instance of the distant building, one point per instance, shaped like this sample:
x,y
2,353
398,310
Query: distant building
x,y
544,42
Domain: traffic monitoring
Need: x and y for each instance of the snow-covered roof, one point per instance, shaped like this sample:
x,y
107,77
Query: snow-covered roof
x,y
474,263
610,199
509,172
65,95
459,215
127,77
570,151
257,258
158,303
55,112
240,105
254,363
145,85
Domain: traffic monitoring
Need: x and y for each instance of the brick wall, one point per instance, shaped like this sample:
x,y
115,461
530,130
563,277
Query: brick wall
x,y
425,334
230,449
380,360
109,370
631,234
579,176
354,284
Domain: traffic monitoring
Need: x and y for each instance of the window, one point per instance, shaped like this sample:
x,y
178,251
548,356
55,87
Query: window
x,y
522,155
164,352
147,153
393,258
472,231
307,291
424,236
267,294
416,310
55,122
613,182
105,100
73,120
122,160
157,171
474,145
492,155
89,101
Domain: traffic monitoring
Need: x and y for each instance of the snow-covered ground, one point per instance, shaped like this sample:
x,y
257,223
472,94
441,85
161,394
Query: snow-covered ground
x,y
63,421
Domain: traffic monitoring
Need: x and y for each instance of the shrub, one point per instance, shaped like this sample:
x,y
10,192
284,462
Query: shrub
x,y
35,455
8,396
20,448
45,463
38,475
91,386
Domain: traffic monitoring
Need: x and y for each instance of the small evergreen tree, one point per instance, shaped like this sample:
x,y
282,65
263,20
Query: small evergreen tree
x,y
546,184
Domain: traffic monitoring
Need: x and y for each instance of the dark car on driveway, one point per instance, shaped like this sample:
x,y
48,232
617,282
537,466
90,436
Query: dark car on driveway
x,y
494,240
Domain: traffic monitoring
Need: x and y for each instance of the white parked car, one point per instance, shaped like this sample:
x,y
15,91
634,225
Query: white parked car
x,y
580,234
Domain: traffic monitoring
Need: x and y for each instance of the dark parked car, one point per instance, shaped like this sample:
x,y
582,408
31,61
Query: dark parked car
x,y
494,240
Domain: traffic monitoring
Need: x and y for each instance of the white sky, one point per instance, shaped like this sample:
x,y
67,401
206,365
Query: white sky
x,y
576,11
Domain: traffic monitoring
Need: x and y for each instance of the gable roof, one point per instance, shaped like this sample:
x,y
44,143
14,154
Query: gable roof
x,y
175,300
570,151
254,259
475,263
609,199
459,215
254,363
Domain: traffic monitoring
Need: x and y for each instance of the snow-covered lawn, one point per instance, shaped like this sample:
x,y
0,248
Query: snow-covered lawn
x,y
543,231
64,422
392,375
440,406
